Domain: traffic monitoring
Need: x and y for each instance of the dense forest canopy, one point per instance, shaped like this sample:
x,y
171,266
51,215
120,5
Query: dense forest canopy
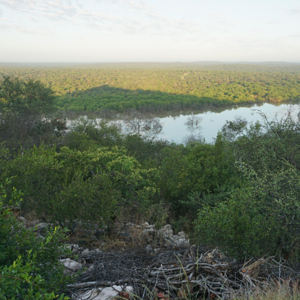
x,y
154,87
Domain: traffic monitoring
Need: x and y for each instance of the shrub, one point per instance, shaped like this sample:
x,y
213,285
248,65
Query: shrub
x,y
29,266
262,217
84,186
197,174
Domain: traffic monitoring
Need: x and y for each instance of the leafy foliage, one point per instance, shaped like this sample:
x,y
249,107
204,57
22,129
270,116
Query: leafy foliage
x,y
84,186
22,103
94,88
29,97
262,216
29,266
100,132
195,174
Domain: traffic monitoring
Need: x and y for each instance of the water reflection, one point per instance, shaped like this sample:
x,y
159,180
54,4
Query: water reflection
x,y
143,126
194,129
189,125
193,122
212,122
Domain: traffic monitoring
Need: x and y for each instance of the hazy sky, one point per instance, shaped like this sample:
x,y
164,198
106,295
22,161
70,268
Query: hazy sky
x,y
149,30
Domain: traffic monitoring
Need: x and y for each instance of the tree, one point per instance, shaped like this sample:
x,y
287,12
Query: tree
x,y
79,186
22,104
29,266
262,215
20,97
199,170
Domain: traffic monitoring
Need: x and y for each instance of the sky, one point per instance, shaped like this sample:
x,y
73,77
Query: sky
x,y
149,30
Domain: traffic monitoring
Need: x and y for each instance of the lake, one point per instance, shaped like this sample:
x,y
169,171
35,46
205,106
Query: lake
x,y
177,127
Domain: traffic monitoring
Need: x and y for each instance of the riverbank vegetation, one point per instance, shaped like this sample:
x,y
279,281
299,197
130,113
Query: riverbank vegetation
x,y
240,193
109,87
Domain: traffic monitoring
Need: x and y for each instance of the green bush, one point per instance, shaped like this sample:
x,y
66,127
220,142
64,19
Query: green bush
x,y
79,141
197,174
98,132
71,185
237,225
262,217
29,266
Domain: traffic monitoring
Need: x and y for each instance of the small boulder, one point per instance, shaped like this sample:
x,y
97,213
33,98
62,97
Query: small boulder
x,y
74,248
85,252
105,294
169,239
71,265
145,224
32,223
166,231
21,219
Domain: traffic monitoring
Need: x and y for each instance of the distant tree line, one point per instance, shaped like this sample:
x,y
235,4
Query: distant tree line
x,y
95,89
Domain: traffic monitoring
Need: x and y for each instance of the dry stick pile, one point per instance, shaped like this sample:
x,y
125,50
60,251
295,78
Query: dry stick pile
x,y
178,274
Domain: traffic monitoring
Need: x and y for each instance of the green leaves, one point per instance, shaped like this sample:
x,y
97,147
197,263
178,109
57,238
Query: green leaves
x,y
16,283
83,186
29,267
241,225
29,97
262,216
94,89
204,169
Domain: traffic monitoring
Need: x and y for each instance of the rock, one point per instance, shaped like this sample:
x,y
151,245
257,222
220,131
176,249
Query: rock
x,y
41,226
21,219
32,223
146,231
167,237
182,234
166,231
71,265
150,227
88,252
145,225
74,248
104,294
85,252
96,251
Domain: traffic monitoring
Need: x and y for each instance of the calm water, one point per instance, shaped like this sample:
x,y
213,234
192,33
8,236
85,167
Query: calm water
x,y
175,128
206,124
